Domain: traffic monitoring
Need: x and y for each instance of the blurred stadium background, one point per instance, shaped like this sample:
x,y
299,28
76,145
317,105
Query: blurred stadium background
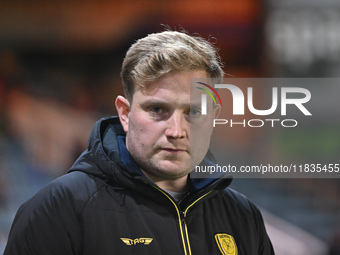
x,y
59,73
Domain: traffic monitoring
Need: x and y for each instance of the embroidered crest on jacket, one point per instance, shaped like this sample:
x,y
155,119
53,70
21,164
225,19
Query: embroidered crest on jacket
x,y
226,244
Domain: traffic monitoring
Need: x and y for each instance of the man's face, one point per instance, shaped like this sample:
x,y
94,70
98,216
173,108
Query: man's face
x,y
159,122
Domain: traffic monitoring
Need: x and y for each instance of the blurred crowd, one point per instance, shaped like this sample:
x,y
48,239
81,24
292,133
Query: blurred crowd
x,y
46,116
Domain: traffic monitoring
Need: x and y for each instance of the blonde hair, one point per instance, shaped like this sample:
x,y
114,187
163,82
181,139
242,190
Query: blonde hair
x,y
160,53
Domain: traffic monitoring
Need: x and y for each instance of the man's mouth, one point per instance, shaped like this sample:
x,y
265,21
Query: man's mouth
x,y
173,150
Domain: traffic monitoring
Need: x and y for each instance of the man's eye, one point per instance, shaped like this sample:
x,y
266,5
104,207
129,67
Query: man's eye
x,y
156,109
195,112
158,112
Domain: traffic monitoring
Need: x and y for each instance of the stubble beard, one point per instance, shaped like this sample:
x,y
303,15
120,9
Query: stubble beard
x,y
154,167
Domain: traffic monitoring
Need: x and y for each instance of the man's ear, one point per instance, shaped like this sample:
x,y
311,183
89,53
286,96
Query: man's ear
x,y
123,109
217,110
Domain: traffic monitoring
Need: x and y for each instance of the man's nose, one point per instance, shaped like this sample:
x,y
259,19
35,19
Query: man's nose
x,y
176,126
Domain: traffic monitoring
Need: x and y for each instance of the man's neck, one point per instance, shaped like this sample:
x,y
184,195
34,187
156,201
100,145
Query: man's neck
x,y
177,185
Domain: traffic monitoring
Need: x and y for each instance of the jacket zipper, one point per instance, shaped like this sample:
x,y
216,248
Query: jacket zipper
x,y
181,219
185,215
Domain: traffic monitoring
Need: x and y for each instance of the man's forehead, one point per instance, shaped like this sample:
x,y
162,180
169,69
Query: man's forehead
x,y
174,83
165,101
191,97
175,79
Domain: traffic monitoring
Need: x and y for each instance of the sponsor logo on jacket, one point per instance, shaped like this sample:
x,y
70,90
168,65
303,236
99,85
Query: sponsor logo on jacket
x,y
142,240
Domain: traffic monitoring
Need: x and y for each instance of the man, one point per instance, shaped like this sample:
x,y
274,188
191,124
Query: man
x,y
131,192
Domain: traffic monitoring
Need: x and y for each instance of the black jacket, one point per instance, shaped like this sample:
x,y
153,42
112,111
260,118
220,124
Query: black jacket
x,y
102,208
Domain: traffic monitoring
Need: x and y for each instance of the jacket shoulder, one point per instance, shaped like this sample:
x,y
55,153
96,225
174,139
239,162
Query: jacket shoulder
x,y
241,201
75,188
237,197
245,207
54,213
253,214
